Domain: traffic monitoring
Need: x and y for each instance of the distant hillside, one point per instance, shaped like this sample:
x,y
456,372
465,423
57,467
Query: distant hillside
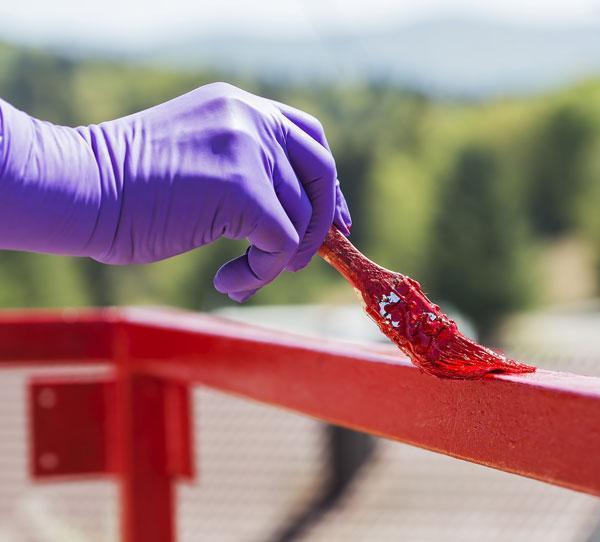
x,y
449,57
470,58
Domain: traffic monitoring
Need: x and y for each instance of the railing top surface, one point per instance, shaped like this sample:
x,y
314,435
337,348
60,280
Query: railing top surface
x,y
543,425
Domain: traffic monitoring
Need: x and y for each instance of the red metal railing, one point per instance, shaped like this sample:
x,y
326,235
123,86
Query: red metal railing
x,y
135,424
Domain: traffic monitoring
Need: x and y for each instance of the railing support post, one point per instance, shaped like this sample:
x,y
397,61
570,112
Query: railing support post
x,y
154,447
147,493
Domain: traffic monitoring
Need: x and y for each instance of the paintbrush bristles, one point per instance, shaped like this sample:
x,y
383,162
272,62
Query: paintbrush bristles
x,y
408,318
464,358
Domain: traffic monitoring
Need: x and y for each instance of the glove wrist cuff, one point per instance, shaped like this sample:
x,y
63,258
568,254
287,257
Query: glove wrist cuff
x,y
49,188
16,138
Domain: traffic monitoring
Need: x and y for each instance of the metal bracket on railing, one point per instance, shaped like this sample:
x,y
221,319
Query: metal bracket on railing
x,y
71,422
76,425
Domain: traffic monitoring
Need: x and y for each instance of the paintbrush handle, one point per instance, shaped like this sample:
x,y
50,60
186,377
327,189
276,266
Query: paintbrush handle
x,y
352,264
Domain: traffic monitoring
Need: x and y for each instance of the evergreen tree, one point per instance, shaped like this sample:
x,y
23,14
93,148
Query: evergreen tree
x,y
476,259
557,171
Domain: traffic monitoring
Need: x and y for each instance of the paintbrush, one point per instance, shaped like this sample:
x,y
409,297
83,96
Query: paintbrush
x,y
410,320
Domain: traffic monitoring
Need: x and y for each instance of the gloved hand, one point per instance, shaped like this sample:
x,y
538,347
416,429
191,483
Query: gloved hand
x,y
215,162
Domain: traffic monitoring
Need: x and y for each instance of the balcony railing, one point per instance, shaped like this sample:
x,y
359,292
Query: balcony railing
x,y
135,424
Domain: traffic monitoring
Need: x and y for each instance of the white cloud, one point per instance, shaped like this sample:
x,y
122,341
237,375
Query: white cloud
x,y
143,20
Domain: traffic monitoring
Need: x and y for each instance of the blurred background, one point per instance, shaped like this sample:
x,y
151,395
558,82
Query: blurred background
x,y
467,141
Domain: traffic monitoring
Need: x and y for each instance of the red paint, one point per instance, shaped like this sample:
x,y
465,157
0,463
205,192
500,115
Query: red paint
x,y
542,425
407,317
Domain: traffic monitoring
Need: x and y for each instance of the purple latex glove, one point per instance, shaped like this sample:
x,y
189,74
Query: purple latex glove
x,y
215,162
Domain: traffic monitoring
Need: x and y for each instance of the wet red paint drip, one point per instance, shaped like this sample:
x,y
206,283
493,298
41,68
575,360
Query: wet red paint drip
x,y
405,315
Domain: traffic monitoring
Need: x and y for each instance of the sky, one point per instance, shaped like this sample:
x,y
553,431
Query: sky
x,y
138,21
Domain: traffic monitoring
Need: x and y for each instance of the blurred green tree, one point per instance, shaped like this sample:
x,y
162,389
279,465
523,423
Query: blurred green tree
x,y
557,170
476,259
400,207
41,84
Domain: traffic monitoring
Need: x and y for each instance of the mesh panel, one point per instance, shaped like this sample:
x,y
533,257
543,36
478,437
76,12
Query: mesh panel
x,y
260,466
410,494
257,466
45,512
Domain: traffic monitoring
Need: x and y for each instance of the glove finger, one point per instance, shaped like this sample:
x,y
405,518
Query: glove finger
x,y
305,121
315,168
292,196
240,297
344,206
295,202
274,242
314,129
342,217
